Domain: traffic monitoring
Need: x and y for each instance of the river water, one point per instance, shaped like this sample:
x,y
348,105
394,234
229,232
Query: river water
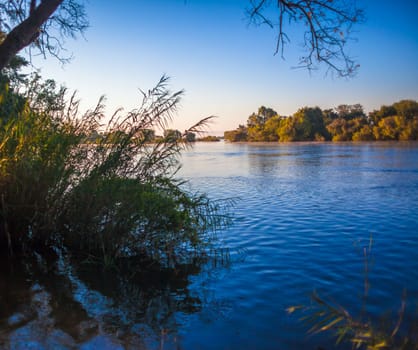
x,y
304,213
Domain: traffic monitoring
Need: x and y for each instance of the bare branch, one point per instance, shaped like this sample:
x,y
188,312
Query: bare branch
x,y
328,28
42,25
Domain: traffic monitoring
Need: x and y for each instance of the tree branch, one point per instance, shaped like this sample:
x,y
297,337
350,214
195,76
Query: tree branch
x,y
328,28
27,31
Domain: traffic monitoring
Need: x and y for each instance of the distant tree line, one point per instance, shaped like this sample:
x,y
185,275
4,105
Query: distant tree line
x,y
149,136
398,122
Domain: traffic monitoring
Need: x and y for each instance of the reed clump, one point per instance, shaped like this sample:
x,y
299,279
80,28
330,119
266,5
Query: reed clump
x,y
105,198
362,331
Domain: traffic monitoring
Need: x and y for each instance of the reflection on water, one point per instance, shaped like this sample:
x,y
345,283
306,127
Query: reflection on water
x,y
303,214
65,306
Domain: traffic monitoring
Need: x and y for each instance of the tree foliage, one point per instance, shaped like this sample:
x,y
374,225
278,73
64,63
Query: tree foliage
x,y
238,135
397,122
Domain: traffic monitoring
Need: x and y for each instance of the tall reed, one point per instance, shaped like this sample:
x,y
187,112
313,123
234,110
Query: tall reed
x,y
361,331
115,198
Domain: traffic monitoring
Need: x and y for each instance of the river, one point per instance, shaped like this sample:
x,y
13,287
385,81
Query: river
x,y
303,216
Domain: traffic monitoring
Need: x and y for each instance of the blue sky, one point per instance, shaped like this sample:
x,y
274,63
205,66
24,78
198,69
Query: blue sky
x,y
226,66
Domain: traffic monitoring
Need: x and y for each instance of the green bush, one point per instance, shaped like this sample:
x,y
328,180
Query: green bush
x,y
112,199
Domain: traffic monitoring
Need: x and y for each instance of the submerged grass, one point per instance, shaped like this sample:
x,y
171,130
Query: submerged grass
x,y
113,199
361,331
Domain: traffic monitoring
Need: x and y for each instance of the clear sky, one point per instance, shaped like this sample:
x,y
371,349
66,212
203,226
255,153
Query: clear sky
x,y
228,67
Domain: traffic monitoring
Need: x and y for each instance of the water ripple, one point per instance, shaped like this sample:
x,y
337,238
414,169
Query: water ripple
x,y
304,216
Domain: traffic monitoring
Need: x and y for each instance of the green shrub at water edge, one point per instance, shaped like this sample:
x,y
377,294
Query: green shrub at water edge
x,y
116,198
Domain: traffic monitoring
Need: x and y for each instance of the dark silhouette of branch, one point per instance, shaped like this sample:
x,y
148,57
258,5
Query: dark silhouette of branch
x,y
43,25
328,28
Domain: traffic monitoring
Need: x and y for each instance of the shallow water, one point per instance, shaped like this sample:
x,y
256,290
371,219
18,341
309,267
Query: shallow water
x,y
303,215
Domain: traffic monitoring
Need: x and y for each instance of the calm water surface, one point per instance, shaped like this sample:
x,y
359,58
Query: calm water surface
x,y
303,214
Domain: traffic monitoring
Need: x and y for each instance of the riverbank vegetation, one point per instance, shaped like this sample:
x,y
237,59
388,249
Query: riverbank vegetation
x,y
113,199
150,136
363,330
396,122
209,138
